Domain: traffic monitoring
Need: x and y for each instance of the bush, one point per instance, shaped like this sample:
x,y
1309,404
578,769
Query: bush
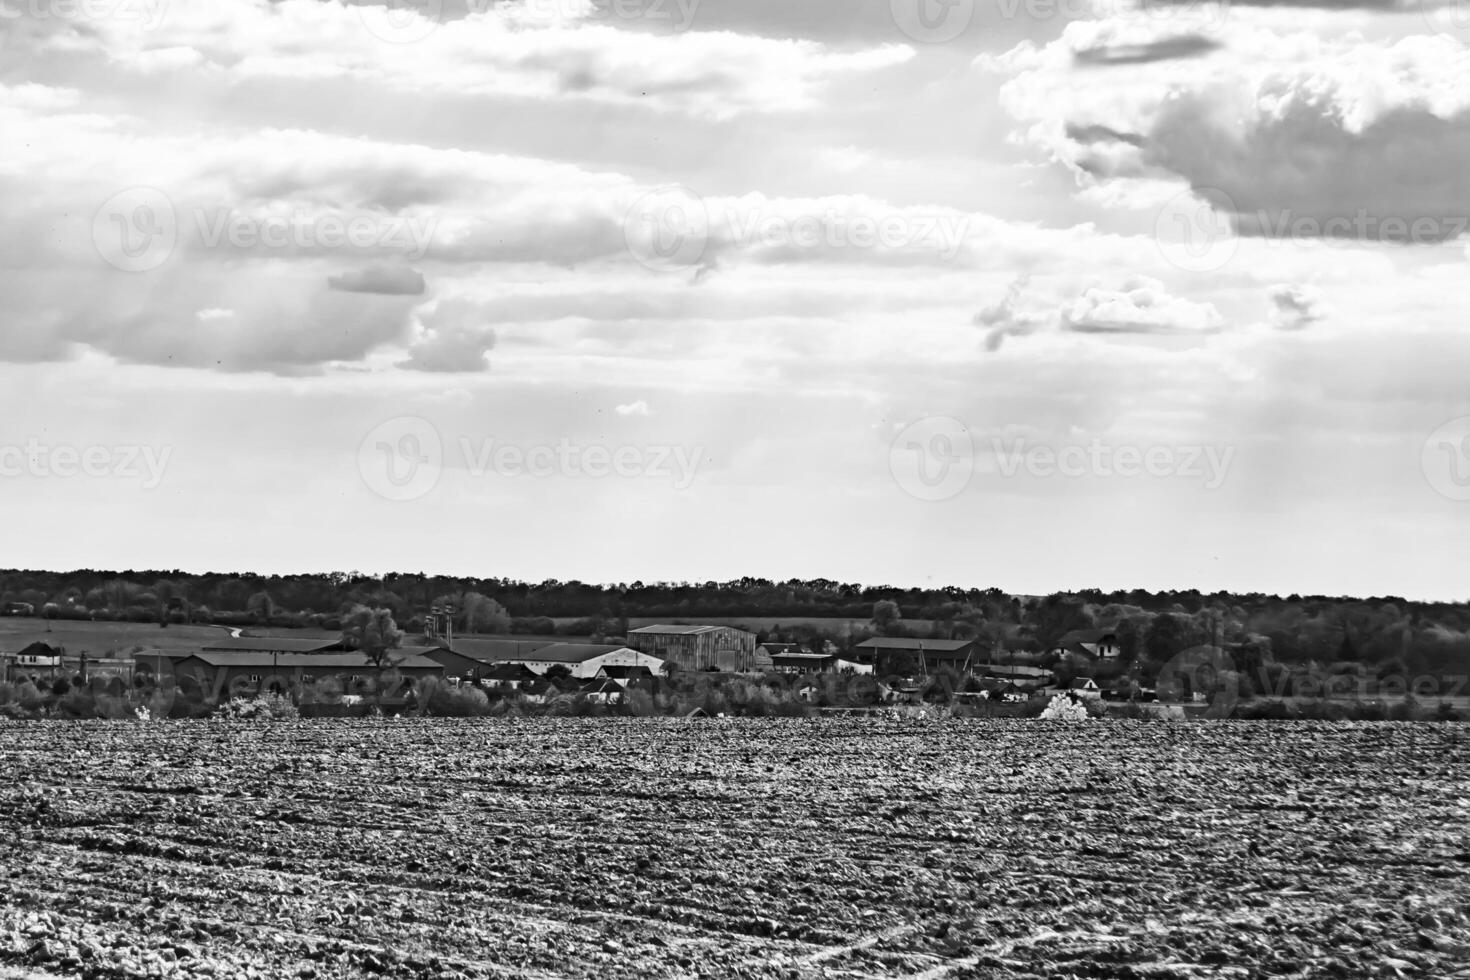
x,y
443,700
257,709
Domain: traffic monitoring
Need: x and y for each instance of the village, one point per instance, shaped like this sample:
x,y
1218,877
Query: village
x,y
895,669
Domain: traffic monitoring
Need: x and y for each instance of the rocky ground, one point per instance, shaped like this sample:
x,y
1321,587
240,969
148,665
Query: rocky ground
x,y
659,848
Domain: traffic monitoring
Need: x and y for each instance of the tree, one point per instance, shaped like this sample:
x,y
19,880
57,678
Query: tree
x,y
885,614
481,614
374,633
261,606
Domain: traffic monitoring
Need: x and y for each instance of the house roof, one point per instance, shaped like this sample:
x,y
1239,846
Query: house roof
x,y
507,672
411,657
625,671
568,653
1086,636
910,643
280,644
489,649
677,629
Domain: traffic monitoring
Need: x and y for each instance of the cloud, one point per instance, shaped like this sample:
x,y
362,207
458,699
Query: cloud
x,y
1295,306
385,280
561,51
1139,306
640,407
453,336
1304,134
1163,49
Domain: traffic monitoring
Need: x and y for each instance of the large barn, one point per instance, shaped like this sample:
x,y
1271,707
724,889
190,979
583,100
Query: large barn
x,y
903,654
697,647
244,672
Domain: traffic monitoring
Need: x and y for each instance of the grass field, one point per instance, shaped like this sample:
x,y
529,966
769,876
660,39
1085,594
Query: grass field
x,y
100,638
669,849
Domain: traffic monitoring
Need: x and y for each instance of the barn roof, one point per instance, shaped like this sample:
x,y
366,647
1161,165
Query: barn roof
x,y
678,629
411,657
279,644
567,653
490,649
911,643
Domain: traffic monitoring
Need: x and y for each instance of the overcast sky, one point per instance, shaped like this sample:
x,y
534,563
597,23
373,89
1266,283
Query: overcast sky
x,y
1040,294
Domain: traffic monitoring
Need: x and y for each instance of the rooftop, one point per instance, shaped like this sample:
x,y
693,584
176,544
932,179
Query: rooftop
x,y
279,644
678,629
412,657
910,643
568,653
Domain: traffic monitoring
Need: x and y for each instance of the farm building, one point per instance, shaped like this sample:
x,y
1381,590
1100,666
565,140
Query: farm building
x,y
239,672
697,647
903,654
471,658
584,660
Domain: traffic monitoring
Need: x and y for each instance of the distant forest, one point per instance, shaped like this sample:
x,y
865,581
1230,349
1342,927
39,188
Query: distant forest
x,y
1390,632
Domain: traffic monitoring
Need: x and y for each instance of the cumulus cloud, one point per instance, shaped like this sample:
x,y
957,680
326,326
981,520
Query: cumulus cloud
x,y
639,407
386,280
453,336
1139,305
1306,134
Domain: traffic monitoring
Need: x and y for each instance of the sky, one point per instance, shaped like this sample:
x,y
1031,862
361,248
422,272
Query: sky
x,y
1034,294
